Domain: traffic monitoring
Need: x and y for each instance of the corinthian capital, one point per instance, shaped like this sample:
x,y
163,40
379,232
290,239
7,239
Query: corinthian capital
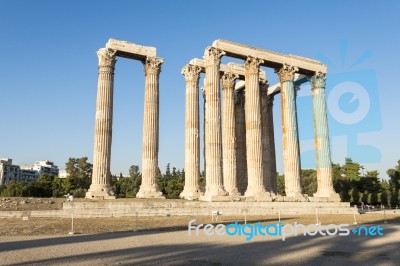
x,y
286,72
213,55
106,57
228,81
318,80
252,65
191,72
152,65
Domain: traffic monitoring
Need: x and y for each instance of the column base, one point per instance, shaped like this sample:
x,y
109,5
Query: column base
x,y
100,192
258,196
296,196
233,192
326,196
215,191
149,193
191,193
215,198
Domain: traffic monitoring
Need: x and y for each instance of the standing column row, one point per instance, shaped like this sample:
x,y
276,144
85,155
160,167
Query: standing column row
x,y
255,186
148,188
191,189
213,137
100,187
241,157
290,138
268,141
321,135
228,131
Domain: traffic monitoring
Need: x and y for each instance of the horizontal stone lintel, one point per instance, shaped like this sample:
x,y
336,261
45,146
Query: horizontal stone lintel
x,y
235,68
271,59
131,50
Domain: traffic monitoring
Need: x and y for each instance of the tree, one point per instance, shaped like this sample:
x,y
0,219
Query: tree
x,y
394,182
129,186
280,186
79,173
309,181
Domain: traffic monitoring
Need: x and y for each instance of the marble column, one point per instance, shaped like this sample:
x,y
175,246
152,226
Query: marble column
x,y
191,189
255,187
290,137
213,137
100,187
148,188
228,133
241,157
321,135
268,142
271,155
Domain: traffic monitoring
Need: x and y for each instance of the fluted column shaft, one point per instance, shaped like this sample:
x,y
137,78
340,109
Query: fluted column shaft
x,y
148,188
213,141
290,138
241,157
253,128
100,187
228,132
268,142
271,155
192,129
321,135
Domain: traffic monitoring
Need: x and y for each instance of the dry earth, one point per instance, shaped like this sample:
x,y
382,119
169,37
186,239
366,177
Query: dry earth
x,y
62,226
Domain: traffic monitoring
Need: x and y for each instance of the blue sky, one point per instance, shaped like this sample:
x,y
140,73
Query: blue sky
x,y
48,73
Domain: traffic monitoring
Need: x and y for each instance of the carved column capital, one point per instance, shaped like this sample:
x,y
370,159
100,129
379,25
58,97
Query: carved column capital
x,y
213,55
106,57
252,65
152,65
286,72
191,72
228,81
318,80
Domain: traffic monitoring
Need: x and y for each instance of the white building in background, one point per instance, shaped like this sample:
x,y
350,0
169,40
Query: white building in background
x,y
43,167
62,174
8,171
26,173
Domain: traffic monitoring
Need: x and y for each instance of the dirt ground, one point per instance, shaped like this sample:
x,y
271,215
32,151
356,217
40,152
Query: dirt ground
x,y
62,226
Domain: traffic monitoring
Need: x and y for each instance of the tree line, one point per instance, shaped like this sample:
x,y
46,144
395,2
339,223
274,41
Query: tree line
x,y
349,180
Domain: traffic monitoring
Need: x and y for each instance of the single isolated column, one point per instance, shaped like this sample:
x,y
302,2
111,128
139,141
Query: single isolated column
x,y
100,187
213,141
148,188
228,133
268,145
255,187
191,189
321,135
241,159
290,138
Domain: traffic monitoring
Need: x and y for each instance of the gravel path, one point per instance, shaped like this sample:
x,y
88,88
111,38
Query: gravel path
x,y
155,247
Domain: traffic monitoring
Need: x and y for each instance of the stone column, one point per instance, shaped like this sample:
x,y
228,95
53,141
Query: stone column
x,y
271,155
213,141
268,142
148,188
321,135
255,187
191,189
100,187
228,133
290,138
241,158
